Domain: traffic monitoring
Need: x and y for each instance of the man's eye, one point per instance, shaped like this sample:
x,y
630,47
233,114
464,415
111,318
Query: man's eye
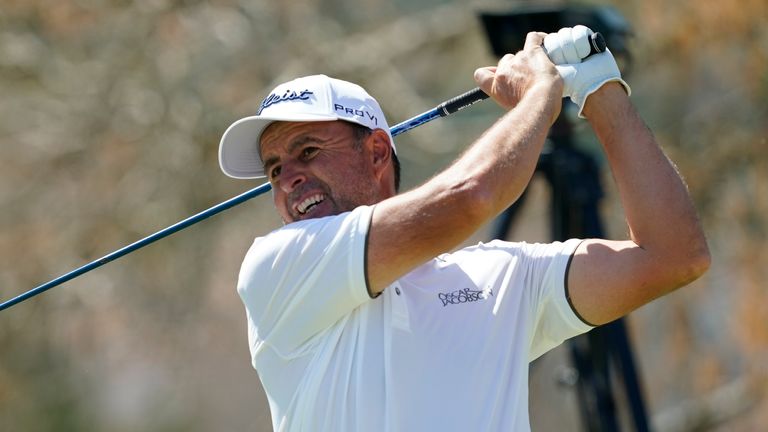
x,y
309,152
274,172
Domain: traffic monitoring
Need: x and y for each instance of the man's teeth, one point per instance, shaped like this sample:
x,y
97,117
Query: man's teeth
x,y
308,203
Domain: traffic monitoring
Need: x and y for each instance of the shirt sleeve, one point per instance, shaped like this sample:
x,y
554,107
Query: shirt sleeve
x,y
301,279
554,318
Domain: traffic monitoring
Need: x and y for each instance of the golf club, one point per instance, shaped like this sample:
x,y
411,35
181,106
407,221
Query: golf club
x,y
597,45
442,110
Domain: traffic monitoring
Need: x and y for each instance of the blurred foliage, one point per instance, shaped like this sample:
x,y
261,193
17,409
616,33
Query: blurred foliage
x,y
110,115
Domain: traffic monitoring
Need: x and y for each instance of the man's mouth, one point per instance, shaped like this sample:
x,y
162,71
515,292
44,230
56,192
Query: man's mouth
x,y
308,204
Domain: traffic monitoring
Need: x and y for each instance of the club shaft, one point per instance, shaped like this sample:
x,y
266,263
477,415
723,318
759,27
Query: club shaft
x,y
138,245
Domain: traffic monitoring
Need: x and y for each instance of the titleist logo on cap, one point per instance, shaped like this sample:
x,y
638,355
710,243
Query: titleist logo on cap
x,y
288,95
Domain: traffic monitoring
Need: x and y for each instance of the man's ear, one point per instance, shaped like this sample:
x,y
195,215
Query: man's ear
x,y
381,151
382,161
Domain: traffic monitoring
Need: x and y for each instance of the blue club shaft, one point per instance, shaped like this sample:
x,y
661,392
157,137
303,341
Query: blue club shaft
x,y
439,111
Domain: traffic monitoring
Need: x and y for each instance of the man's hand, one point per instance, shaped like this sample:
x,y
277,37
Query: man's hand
x,y
517,74
581,77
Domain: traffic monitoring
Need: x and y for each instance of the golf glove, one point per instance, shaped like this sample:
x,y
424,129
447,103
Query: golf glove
x,y
581,78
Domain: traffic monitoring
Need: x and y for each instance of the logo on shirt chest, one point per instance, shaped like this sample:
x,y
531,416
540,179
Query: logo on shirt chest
x,y
465,295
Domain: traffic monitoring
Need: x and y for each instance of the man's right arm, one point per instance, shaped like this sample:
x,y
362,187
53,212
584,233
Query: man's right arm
x,y
409,229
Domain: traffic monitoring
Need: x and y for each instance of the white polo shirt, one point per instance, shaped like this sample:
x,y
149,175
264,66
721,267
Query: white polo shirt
x,y
445,348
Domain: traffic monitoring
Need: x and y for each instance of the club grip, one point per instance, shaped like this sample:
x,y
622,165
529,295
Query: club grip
x,y
596,43
461,101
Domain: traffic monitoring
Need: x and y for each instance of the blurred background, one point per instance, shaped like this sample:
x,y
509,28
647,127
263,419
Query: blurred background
x,y
110,117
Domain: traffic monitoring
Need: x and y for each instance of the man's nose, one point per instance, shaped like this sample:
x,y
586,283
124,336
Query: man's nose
x,y
292,176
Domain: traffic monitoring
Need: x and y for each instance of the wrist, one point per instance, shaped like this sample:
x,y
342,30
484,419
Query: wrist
x,y
551,98
551,88
605,98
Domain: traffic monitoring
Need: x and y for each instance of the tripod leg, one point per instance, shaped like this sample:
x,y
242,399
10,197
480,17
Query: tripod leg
x,y
594,384
624,360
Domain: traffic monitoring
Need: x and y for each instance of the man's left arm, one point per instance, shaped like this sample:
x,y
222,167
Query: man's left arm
x,y
667,248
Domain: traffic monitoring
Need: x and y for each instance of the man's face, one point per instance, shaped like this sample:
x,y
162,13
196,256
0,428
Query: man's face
x,y
316,169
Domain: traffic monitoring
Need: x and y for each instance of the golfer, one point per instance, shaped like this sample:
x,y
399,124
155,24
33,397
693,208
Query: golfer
x,y
363,315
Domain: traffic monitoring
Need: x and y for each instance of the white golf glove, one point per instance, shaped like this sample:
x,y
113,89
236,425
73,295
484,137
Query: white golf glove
x,y
581,78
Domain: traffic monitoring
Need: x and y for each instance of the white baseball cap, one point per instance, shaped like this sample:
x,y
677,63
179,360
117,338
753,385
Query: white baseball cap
x,y
310,98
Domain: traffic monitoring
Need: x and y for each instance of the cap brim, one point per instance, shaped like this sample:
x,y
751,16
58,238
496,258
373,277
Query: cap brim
x,y
239,147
